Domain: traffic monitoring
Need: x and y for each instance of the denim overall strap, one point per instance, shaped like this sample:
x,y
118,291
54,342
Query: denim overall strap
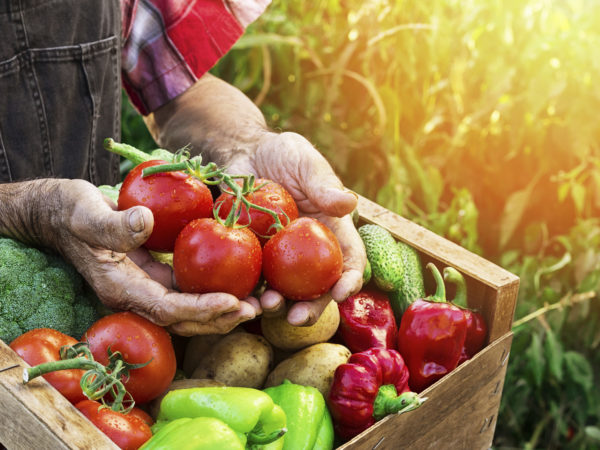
x,y
60,89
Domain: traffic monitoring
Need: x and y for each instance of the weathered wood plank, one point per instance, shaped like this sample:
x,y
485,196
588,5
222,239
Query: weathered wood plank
x,y
36,415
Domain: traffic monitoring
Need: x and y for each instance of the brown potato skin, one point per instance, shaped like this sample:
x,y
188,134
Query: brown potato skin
x,y
284,336
311,366
238,359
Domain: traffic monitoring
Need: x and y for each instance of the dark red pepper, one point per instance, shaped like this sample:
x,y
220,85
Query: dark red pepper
x,y
431,336
371,385
476,326
366,321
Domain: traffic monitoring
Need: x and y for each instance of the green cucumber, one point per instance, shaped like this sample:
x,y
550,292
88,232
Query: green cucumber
x,y
413,285
367,273
384,256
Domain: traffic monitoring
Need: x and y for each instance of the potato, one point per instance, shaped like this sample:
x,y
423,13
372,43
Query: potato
x,y
198,346
238,359
284,336
154,405
312,366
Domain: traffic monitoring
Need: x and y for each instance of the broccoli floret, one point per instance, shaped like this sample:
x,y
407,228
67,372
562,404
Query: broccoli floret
x,y
39,289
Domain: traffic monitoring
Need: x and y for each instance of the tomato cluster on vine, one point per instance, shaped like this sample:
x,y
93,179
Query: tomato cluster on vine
x,y
225,244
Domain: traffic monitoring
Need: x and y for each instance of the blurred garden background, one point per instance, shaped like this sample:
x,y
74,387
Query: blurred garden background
x,y
480,120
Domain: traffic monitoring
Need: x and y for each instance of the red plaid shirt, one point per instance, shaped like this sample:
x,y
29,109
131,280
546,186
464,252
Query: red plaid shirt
x,y
169,44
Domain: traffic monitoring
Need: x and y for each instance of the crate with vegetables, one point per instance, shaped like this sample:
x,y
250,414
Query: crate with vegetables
x,y
416,359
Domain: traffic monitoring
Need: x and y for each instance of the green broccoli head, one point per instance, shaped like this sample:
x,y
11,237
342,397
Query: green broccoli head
x,y
38,290
17,263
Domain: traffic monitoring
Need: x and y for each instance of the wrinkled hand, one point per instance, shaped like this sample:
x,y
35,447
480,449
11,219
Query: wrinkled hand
x,y
96,239
290,160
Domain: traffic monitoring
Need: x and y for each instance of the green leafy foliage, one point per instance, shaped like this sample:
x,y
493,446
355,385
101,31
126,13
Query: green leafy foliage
x,y
477,120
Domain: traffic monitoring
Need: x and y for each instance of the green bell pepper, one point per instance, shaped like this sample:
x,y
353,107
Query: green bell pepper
x,y
199,433
309,423
249,412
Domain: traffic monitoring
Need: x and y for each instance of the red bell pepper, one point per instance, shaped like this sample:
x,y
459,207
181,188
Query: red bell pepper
x,y
371,385
366,321
476,326
431,336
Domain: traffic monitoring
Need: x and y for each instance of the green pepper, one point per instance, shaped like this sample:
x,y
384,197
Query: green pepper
x,y
309,422
199,433
247,411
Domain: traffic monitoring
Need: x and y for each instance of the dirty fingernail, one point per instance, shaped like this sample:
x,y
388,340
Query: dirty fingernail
x,y
136,220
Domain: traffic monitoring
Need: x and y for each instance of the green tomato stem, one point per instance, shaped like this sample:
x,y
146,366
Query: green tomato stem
x,y
30,373
173,167
209,174
133,154
97,381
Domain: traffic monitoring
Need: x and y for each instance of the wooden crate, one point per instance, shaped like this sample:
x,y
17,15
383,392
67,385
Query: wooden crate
x,y
460,413
462,408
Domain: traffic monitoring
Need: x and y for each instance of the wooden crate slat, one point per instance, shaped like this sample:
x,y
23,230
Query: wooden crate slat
x,y
432,244
37,416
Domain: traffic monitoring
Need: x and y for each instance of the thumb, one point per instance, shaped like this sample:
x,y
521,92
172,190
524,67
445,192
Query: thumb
x,y
331,198
121,231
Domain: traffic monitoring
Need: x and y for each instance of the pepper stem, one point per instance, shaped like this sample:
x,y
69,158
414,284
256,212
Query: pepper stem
x,y
454,276
389,402
440,290
259,437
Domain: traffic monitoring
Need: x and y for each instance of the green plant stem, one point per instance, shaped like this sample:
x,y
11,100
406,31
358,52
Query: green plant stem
x,y
453,276
533,442
83,363
567,300
133,154
389,402
440,290
259,437
98,380
239,198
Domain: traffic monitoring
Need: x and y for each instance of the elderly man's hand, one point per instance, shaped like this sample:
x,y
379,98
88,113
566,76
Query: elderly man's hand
x,y
104,245
290,160
220,122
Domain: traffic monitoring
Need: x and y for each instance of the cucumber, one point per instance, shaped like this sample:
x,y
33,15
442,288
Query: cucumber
x,y
367,273
412,286
384,256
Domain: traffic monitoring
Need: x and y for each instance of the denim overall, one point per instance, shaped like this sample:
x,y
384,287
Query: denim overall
x,y
60,89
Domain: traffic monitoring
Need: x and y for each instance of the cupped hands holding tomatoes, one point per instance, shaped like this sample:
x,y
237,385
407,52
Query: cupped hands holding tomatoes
x,y
214,267
293,162
301,258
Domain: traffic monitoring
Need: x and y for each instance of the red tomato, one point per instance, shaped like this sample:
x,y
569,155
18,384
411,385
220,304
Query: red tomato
x,y
302,261
175,198
272,196
210,257
128,431
140,413
139,341
42,345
